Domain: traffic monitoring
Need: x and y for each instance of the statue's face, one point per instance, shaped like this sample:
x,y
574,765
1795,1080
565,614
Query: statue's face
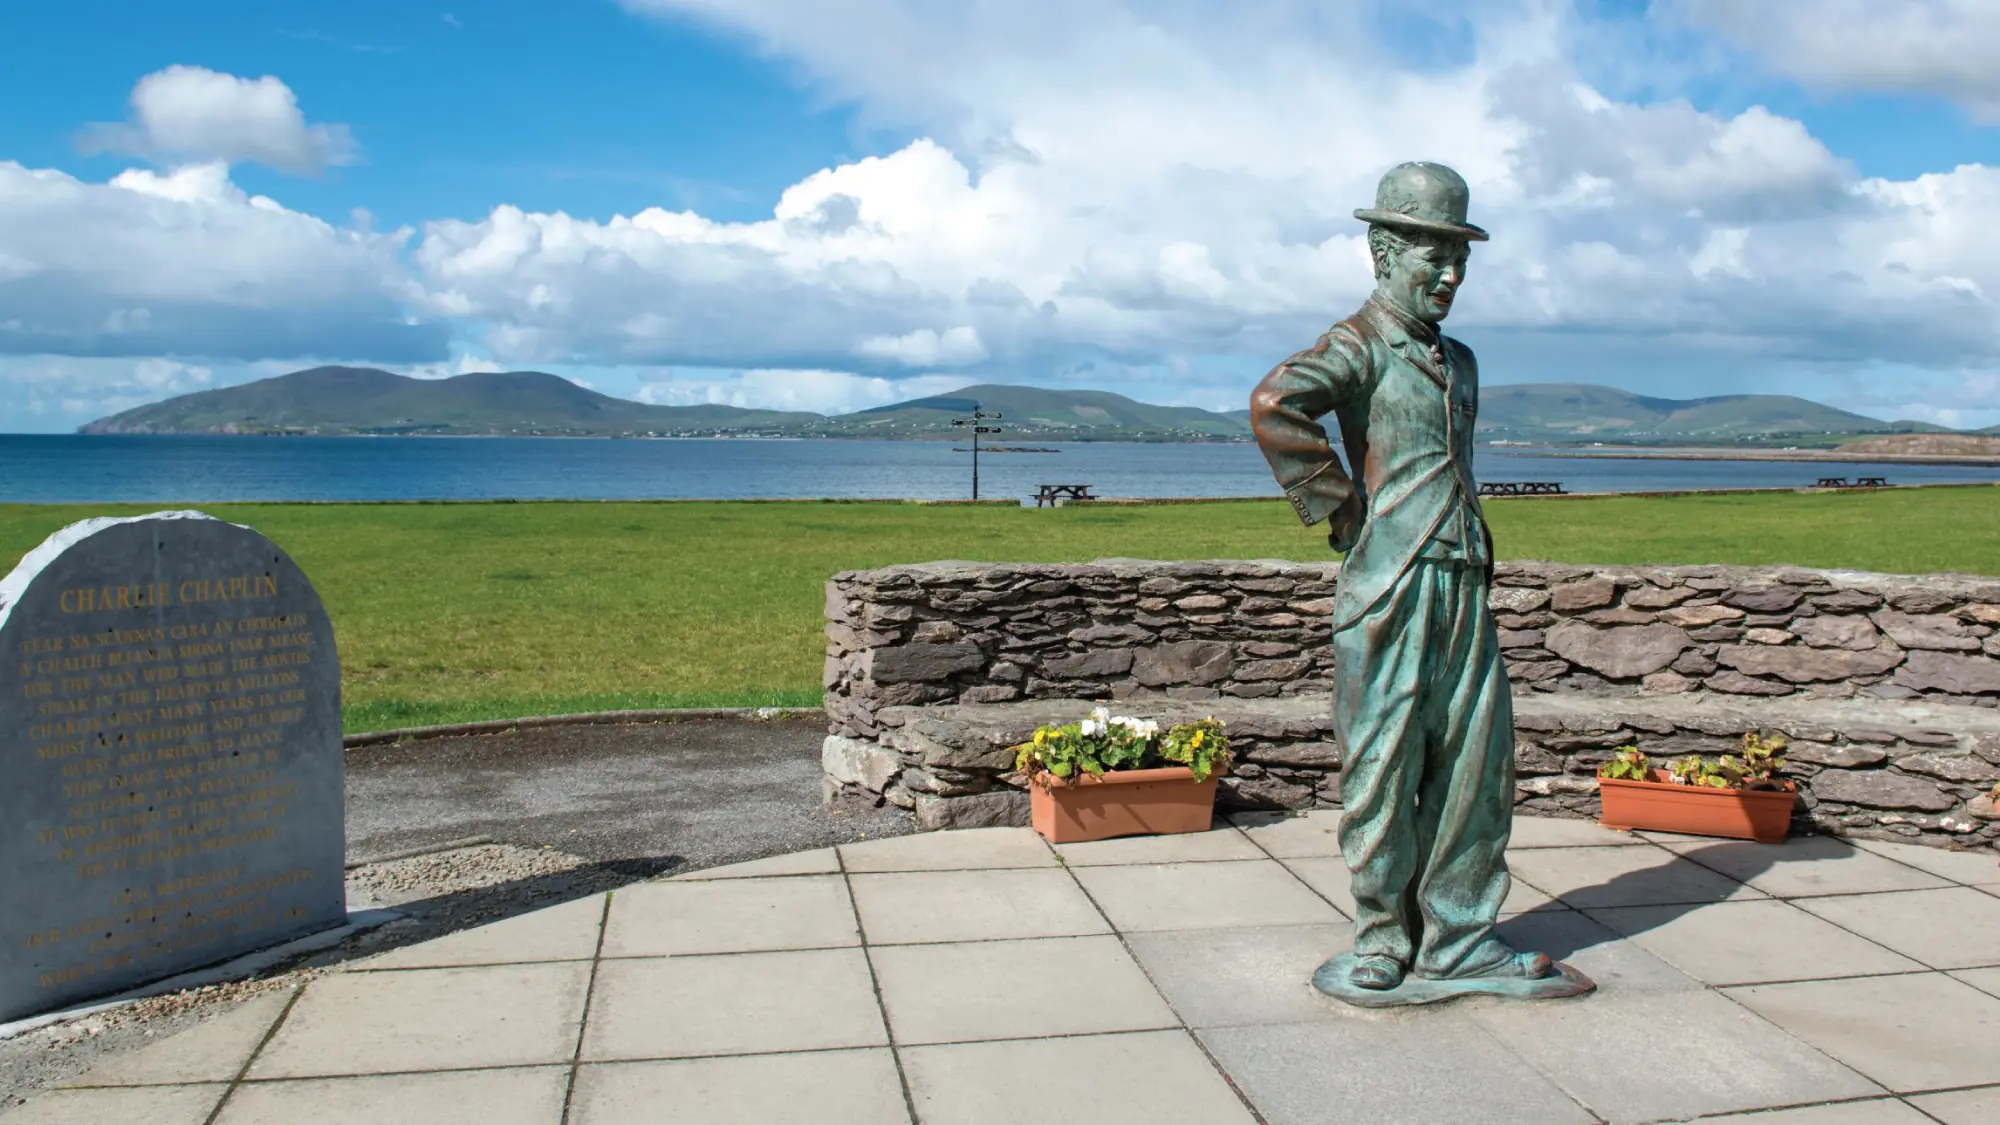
x,y
1424,277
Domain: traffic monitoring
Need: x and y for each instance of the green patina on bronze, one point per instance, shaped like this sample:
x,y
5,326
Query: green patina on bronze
x,y
1421,703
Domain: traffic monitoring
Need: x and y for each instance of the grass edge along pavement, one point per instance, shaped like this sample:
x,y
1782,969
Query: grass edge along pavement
x,y
456,612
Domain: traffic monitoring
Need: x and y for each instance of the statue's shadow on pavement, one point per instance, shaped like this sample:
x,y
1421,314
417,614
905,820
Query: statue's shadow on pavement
x,y
1650,898
1586,918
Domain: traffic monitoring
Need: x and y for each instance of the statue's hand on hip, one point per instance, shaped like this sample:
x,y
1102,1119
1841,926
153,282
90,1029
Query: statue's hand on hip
x,y
1343,528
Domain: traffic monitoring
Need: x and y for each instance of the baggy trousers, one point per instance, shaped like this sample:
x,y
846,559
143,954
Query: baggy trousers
x,y
1423,712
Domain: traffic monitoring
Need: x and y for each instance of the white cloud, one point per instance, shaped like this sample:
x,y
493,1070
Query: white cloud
x,y
821,392
465,363
954,347
60,392
186,264
193,113
1940,47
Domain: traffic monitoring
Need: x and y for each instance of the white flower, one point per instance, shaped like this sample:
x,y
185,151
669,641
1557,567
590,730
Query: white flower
x,y
1090,728
1101,714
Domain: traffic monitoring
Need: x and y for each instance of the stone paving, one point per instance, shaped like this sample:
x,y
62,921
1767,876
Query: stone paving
x,y
982,976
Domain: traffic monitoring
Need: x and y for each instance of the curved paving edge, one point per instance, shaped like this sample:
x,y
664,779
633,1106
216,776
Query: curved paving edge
x,y
581,718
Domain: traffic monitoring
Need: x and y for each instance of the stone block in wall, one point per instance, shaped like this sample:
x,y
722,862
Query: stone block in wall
x,y
1516,599
1620,652
1656,597
1962,768
1088,665
857,762
1881,789
1949,672
1736,683
1837,631
1589,593
922,663
1846,755
1768,599
1696,617
1936,631
1801,664
1847,601
1003,809
1183,662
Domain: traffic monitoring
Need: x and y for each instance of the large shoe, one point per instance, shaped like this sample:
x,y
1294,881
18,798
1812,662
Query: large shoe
x,y
1377,972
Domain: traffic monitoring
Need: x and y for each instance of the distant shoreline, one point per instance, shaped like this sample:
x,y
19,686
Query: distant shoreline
x,y
1703,453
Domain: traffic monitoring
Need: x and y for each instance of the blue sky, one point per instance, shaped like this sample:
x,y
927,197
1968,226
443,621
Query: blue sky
x,y
833,205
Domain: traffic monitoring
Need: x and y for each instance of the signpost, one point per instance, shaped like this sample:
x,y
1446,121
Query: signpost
x,y
977,429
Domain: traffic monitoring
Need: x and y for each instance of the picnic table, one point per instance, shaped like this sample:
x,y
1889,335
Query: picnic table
x,y
1521,488
1858,482
1051,494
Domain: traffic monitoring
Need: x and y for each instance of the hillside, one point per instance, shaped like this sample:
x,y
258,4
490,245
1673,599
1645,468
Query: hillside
x,y
362,400
1545,413
1046,414
1929,445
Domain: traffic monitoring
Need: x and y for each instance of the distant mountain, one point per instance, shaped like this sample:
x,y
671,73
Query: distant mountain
x,y
363,400
1046,414
1577,412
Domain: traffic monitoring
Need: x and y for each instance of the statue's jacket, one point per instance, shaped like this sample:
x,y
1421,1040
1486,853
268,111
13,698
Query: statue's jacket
x,y
1406,423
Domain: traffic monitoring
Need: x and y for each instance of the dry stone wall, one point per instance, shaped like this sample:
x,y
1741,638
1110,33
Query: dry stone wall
x,y
927,665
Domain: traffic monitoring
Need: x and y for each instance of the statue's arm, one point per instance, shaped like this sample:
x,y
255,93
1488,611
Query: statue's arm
x,y
1284,414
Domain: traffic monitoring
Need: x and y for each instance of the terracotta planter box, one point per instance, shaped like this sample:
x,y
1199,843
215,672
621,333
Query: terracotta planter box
x,y
1692,810
1122,803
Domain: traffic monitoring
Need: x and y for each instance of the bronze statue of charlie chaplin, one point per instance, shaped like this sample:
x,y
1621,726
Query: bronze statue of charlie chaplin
x,y
1421,702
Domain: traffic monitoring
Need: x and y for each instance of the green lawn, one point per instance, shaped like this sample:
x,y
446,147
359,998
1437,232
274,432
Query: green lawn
x,y
447,612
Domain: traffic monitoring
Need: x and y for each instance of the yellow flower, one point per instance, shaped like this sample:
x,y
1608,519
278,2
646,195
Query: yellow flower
x,y
1197,738
1041,737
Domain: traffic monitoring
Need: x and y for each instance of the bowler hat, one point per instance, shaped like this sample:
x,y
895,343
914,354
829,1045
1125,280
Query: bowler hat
x,y
1422,196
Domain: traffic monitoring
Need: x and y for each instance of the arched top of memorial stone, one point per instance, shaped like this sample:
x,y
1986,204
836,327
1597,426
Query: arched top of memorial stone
x,y
16,582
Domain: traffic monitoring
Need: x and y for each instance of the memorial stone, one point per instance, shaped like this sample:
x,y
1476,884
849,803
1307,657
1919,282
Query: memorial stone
x,y
170,732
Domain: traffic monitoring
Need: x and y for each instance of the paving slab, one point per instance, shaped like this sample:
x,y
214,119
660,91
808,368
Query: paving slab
x,y
855,1087
819,861
1292,835
1143,1078
1955,928
1985,980
1369,1069
1920,1032
927,906
1250,975
1220,843
1874,1111
1755,942
568,932
150,1105
1564,832
214,1050
730,916
429,1019
1962,1107
962,850
1187,896
1972,866
1016,990
514,1096
1617,967
1735,1061
748,1003
1806,865
1622,876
